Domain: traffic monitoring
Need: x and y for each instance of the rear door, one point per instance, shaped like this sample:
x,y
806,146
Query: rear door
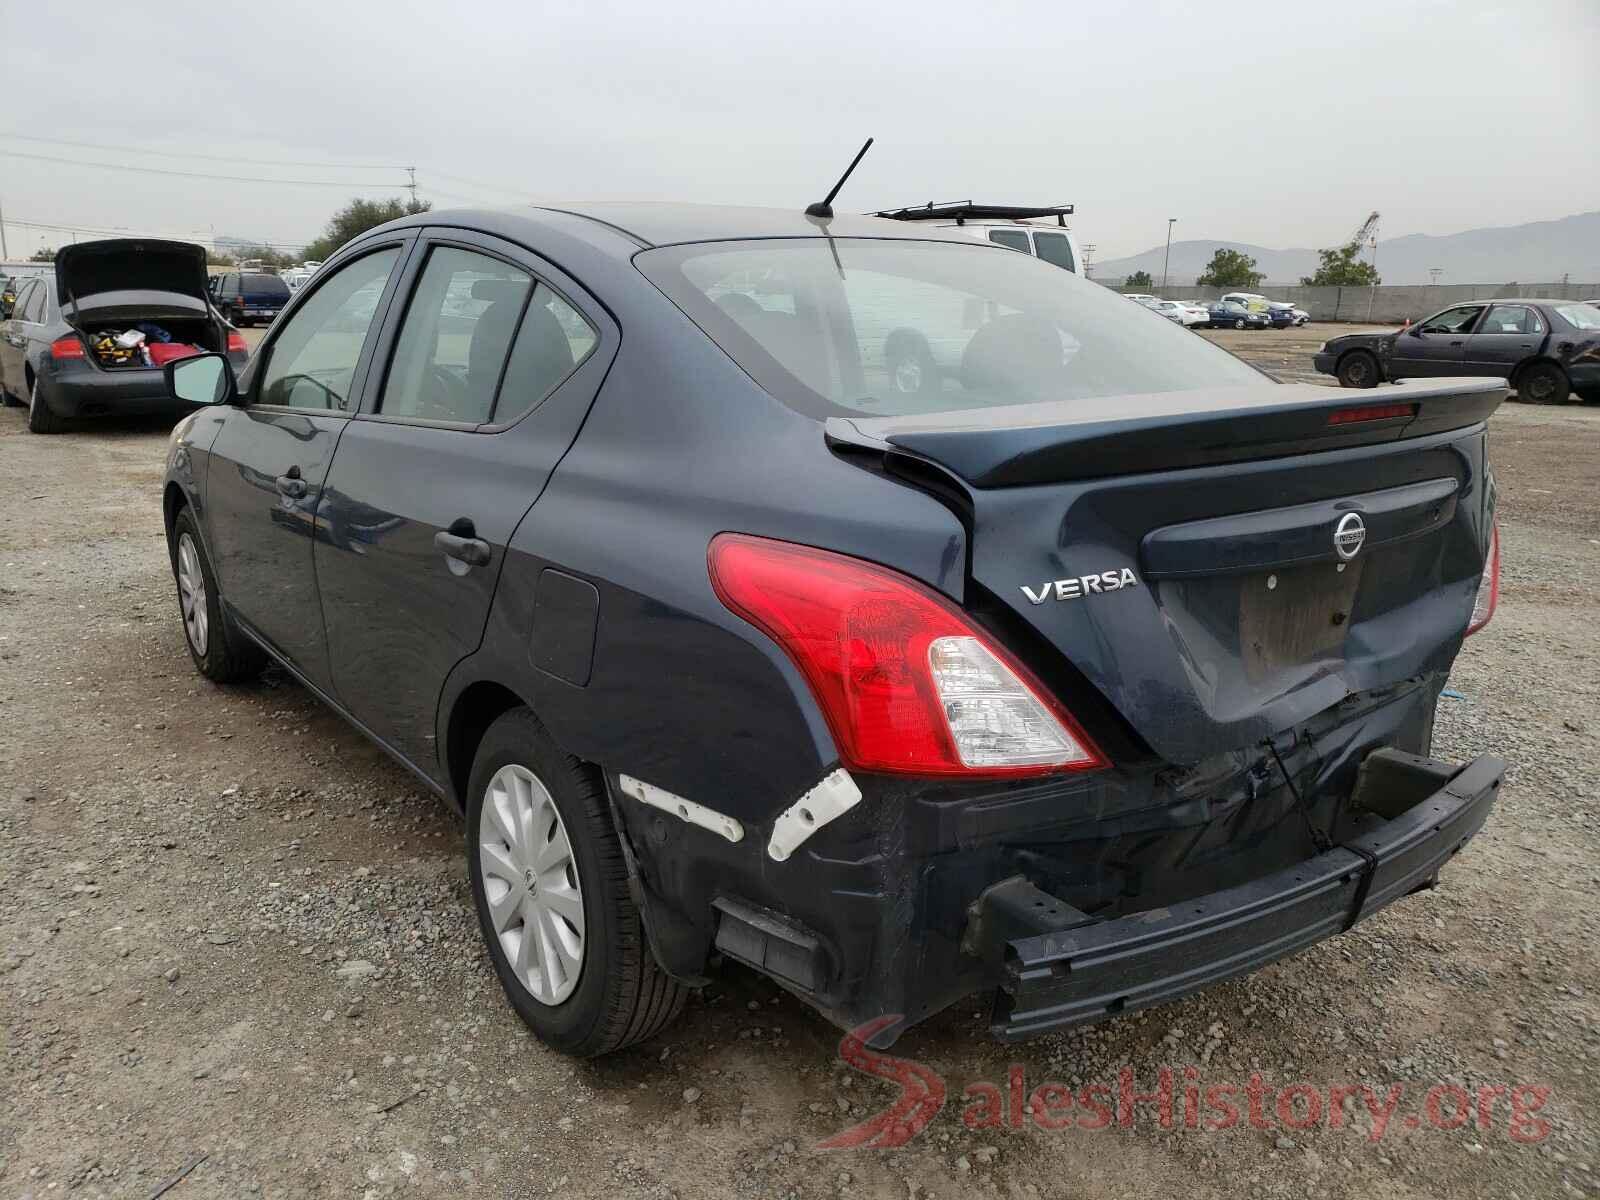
x,y
1055,248
14,342
1508,334
1437,346
487,369
264,483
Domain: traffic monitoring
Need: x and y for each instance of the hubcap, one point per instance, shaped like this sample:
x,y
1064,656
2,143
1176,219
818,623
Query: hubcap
x,y
530,881
192,595
908,376
1539,387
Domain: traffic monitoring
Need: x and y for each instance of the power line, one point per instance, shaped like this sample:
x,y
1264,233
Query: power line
x,y
255,162
126,231
74,162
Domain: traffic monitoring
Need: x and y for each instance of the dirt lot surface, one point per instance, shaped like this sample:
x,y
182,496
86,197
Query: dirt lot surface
x,y
235,938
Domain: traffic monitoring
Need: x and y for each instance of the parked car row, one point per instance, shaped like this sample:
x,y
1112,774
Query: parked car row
x,y
1231,312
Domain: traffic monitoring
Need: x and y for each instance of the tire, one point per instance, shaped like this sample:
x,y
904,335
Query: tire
x,y
910,365
221,653
1359,369
617,994
40,418
1542,383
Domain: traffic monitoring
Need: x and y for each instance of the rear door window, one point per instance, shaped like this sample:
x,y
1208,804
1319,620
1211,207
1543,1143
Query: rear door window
x,y
36,303
1511,318
1055,248
453,344
1013,239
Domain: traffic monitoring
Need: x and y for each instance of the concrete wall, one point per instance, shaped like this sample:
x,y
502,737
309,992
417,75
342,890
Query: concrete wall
x,y
1391,305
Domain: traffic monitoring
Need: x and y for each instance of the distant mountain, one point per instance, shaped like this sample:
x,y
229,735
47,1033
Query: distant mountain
x,y
1538,252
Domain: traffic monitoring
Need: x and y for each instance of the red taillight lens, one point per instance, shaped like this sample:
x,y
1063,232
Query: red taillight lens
x,y
1371,412
236,342
1488,586
70,346
907,682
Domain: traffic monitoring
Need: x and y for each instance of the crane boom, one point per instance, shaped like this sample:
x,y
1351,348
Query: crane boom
x,y
1369,227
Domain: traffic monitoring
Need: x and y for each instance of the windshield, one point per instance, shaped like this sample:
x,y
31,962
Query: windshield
x,y
853,326
1580,316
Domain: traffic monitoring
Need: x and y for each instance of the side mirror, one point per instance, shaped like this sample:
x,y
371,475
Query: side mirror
x,y
1415,331
202,379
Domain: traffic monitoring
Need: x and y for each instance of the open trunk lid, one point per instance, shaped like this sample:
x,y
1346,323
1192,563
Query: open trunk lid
x,y
1222,564
132,278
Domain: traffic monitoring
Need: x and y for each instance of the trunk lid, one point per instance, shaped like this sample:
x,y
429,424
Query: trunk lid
x,y
133,277
1195,555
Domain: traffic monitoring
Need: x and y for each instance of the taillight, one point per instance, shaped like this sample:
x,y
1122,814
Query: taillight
x,y
907,682
1370,412
236,341
1488,586
70,346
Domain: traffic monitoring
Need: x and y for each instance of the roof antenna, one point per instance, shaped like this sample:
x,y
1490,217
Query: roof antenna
x,y
823,209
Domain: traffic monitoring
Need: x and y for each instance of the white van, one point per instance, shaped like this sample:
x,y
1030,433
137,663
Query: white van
x,y
1041,232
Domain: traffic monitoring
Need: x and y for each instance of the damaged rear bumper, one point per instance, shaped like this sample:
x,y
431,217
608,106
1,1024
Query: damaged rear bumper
x,y
1061,967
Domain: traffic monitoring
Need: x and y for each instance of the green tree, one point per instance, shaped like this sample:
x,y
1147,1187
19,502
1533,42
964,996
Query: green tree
x,y
355,219
1139,281
268,256
45,254
1230,269
1342,267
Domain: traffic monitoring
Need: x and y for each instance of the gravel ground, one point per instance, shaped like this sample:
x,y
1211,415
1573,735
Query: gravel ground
x,y
232,934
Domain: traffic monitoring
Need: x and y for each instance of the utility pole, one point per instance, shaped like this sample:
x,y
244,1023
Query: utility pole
x,y
1167,257
412,171
1088,259
1433,275
1373,294
4,253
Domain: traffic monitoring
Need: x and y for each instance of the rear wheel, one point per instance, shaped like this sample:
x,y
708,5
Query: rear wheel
x,y
220,652
40,418
1358,369
1542,383
910,365
1238,322
551,887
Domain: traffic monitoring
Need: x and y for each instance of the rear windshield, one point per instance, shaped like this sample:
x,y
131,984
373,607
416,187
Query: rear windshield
x,y
1580,316
270,285
851,326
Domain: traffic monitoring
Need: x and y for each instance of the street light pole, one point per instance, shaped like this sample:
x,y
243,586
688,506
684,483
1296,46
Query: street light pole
x,y
1167,257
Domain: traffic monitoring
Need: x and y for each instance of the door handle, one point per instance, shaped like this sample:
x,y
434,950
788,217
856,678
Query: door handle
x,y
473,551
1458,343
291,485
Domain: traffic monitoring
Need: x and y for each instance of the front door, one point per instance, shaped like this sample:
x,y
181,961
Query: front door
x,y
1436,346
488,379
1509,334
267,466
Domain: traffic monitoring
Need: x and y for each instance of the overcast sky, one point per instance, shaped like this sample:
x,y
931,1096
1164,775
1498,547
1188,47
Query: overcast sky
x,y
1280,124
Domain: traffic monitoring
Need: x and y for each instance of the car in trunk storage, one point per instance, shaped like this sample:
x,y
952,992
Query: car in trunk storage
x,y
1099,670
59,352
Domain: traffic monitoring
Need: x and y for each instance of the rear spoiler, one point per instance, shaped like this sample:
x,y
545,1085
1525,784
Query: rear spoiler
x,y
1055,441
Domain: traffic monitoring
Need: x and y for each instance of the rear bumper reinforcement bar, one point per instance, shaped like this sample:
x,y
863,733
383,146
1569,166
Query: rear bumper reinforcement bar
x,y
1089,970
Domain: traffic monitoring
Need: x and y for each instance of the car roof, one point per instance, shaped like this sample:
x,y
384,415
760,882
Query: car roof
x,y
662,223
